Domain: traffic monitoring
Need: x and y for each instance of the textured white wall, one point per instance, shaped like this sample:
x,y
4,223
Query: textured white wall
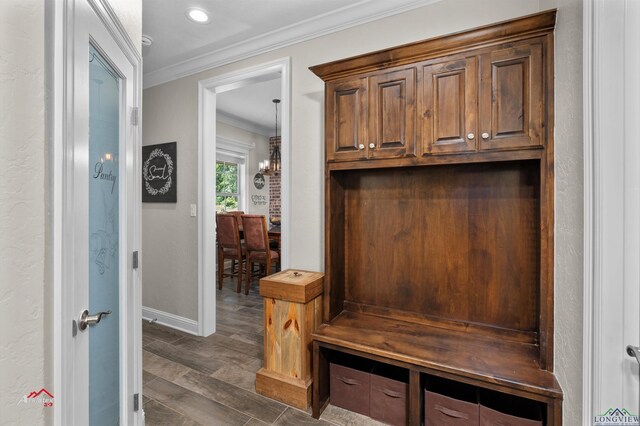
x,y
22,209
179,115
25,289
568,205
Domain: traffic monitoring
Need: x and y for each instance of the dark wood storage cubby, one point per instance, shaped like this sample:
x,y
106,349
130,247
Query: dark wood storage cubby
x,y
439,214
419,240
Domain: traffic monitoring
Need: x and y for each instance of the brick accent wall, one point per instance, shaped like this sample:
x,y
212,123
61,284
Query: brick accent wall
x,y
274,186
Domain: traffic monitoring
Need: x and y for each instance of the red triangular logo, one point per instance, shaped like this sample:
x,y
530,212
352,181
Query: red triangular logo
x,y
36,394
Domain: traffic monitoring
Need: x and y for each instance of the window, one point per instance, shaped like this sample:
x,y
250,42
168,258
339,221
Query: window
x,y
231,174
227,186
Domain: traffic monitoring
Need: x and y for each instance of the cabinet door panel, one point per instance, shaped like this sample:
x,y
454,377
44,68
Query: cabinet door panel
x,y
450,98
347,124
392,114
511,98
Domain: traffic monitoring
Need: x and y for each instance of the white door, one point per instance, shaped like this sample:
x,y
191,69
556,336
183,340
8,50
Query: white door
x,y
612,182
101,350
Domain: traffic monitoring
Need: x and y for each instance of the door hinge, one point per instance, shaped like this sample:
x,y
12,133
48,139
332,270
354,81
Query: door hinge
x,y
135,259
136,402
135,119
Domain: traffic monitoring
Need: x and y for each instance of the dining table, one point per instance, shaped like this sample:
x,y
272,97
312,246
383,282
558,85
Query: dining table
x,y
274,233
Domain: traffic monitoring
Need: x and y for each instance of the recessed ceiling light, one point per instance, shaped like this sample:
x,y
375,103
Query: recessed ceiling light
x,y
197,15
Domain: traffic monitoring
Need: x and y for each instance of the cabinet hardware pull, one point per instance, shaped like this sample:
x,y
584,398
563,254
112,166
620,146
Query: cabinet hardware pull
x,y
485,135
451,413
470,136
361,146
391,393
372,145
349,382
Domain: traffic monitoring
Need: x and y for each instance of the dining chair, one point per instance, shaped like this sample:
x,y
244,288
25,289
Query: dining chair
x,y
238,214
256,239
229,247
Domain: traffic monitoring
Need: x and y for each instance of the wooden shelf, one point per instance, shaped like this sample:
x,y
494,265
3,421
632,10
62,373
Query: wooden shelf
x,y
464,355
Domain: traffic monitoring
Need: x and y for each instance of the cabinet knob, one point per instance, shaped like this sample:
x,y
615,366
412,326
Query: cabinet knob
x,y
470,136
361,146
372,145
485,135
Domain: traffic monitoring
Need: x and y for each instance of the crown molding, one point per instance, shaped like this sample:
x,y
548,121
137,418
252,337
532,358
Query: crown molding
x,y
349,16
234,145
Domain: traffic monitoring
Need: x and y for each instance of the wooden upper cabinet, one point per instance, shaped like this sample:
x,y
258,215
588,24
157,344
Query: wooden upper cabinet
x,y
511,97
392,110
481,91
346,123
450,106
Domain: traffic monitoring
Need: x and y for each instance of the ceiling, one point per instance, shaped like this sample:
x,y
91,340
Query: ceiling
x,y
251,107
238,29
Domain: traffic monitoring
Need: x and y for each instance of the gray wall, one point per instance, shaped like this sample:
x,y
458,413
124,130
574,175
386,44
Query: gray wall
x,y
171,110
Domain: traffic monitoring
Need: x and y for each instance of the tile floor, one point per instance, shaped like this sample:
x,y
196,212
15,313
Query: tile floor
x,y
191,380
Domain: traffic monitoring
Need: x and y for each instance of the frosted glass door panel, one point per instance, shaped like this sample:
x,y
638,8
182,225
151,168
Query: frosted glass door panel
x,y
104,241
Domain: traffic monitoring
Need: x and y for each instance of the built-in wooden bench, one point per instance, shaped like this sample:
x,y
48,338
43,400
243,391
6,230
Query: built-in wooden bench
x,y
498,364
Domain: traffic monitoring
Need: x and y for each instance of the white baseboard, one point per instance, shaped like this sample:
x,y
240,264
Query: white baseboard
x,y
170,320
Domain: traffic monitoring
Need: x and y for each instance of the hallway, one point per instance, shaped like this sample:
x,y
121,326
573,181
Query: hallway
x,y
191,380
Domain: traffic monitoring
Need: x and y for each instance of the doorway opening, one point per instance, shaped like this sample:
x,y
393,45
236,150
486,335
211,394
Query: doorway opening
x,y
214,145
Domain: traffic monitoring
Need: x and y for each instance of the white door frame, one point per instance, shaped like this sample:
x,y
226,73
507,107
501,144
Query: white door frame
x,y
207,92
70,401
611,204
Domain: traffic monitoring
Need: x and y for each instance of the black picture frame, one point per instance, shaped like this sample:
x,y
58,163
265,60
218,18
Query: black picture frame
x,y
160,173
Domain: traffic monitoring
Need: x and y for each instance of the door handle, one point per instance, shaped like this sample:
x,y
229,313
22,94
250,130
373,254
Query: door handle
x,y
634,351
87,320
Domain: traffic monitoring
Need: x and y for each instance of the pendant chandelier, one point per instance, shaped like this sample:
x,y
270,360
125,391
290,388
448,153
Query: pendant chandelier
x,y
273,165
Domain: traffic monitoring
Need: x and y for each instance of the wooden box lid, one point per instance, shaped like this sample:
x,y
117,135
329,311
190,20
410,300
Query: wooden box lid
x,y
293,285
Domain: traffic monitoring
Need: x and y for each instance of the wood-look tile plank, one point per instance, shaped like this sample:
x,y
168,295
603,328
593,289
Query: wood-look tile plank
x,y
245,315
239,323
193,405
215,350
157,366
225,330
253,350
157,414
204,364
234,351
233,300
340,416
147,339
293,417
253,366
255,422
237,376
250,312
251,338
160,332
249,403
146,376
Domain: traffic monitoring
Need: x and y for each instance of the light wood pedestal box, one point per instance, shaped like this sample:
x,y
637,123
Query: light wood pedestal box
x,y
292,311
